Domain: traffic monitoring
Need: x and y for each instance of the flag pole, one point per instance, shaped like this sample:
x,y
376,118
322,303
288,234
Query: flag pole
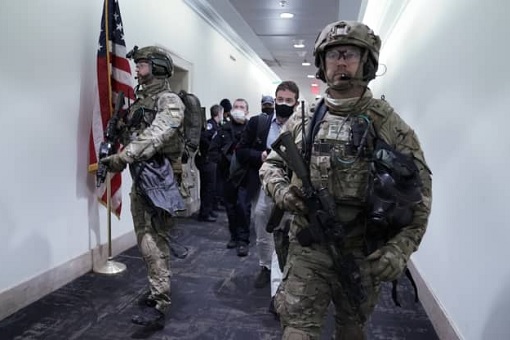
x,y
110,267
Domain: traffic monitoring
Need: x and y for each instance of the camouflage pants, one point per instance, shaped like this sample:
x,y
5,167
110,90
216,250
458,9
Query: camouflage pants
x,y
309,285
151,228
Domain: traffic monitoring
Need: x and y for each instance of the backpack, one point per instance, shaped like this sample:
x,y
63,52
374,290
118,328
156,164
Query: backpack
x,y
194,120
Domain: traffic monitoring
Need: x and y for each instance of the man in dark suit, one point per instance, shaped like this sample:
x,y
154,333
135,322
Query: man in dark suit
x,y
224,144
255,144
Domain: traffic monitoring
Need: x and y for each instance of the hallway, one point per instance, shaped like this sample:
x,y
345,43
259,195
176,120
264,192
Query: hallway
x,y
212,298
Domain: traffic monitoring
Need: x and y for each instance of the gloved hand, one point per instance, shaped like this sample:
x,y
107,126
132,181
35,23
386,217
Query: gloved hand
x,y
292,200
114,163
388,262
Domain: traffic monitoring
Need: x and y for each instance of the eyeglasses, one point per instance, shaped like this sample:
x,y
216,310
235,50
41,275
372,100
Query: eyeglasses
x,y
348,55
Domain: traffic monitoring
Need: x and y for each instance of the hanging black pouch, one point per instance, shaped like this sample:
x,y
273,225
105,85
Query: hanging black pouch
x,y
395,187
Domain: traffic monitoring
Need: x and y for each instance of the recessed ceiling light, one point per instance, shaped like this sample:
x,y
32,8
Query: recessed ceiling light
x,y
305,63
310,76
286,15
314,84
299,43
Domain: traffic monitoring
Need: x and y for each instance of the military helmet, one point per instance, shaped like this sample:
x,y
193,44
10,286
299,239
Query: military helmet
x,y
348,33
161,62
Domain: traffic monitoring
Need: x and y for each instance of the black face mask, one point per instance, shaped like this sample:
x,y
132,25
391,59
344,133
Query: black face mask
x,y
268,110
284,111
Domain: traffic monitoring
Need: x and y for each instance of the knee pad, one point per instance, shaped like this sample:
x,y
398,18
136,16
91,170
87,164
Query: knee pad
x,y
294,334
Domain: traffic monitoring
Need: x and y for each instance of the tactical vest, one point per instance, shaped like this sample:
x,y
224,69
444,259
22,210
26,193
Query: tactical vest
x,y
141,115
341,155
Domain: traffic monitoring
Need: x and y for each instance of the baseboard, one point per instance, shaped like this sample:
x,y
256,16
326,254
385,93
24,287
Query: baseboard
x,y
442,323
15,298
120,244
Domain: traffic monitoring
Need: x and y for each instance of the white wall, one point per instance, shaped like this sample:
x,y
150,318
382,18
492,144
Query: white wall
x,y
448,76
48,211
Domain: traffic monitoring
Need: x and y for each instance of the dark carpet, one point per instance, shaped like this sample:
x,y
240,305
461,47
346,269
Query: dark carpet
x,y
212,298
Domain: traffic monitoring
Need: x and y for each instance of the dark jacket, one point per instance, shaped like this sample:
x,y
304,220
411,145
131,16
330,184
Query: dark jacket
x,y
210,130
224,143
250,148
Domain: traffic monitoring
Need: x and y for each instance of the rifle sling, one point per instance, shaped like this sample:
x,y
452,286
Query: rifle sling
x,y
313,128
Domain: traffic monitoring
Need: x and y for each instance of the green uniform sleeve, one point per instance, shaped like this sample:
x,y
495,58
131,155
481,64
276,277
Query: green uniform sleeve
x,y
164,129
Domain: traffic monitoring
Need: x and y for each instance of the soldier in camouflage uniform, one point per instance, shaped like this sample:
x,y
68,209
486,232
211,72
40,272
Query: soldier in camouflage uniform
x,y
346,54
152,135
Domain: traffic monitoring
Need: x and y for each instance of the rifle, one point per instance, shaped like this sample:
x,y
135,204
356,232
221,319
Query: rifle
x,y
324,227
107,147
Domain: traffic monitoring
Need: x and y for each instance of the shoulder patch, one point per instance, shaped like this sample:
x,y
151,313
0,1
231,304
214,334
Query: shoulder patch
x,y
209,126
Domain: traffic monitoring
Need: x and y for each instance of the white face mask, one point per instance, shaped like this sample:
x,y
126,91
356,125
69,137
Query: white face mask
x,y
238,115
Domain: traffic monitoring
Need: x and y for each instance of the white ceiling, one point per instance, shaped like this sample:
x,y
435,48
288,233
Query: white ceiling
x,y
258,24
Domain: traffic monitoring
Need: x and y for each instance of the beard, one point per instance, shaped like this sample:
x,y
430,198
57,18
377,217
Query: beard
x,y
340,81
142,80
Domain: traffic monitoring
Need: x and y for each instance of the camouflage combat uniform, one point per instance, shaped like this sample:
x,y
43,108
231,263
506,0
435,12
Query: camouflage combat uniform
x,y
310,281
152,135
161,133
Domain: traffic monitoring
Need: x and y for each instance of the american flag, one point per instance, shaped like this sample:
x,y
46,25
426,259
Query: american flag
x,y
113,76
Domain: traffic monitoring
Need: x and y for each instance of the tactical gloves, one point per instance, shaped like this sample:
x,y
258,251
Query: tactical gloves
x,y
292,200
388,262
114,163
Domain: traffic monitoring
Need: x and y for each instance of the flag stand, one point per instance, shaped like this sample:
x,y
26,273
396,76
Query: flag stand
x,y
111,267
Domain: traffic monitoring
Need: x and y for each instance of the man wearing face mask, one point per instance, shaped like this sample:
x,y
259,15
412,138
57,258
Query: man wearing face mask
x,y
267,105
253,149
225,142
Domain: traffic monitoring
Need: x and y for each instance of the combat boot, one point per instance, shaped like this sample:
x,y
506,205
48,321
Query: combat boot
x,y
146,300
149,317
